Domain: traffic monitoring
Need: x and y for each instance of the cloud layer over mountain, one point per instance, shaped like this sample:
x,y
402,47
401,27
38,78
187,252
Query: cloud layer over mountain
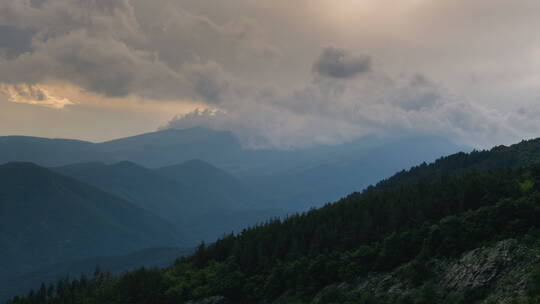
x,y
282,74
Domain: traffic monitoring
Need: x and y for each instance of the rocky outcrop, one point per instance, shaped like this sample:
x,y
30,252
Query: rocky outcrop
x,y
499,271
481,267
380,283
211,300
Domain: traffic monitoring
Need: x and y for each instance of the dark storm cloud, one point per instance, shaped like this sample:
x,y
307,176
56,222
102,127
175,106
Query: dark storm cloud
x,y
15,41
209,81
116,49
101,65
337,63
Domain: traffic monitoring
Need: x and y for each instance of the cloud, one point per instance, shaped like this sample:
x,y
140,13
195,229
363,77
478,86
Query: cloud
x,y
209,81
419,93
101,65
34,95
337,63
117,49
329,111
278,85
14,41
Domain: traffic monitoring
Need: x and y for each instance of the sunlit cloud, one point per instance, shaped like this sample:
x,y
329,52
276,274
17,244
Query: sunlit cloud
x,y
35,94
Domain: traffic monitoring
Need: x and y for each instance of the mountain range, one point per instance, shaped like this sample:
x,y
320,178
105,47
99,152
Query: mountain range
x,y
48,218
59,221
290,180
463,229
167,188
190,195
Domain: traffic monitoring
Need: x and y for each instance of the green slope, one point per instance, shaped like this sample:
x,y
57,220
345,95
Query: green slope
x,y
524,153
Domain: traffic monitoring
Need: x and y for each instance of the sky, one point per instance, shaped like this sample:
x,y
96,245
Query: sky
x,y
281,73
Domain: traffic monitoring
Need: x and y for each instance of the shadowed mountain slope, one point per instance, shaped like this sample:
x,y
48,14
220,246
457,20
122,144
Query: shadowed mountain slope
x,y
292,180
46,218
201,200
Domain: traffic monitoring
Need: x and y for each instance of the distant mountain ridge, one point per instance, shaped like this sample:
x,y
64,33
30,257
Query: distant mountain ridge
x,y
347,168
155,149
49,152
172,146
200,176
193,195
46,218
291,179
133,183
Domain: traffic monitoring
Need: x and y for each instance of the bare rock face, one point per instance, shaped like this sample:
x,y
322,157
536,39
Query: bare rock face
x,y
480,267
380,283
211,300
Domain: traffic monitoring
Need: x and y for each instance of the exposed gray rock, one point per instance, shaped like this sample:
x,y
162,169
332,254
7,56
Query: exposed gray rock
x,y
501,267
211,300
480,267
380,283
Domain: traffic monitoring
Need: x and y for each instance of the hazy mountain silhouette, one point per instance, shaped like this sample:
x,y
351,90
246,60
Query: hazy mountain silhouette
x,y
46,218
291,179
211,182
193,195
49,152
171,146
338,170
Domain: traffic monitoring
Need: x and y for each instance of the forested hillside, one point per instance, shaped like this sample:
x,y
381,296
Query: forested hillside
x,y
401,243
524,153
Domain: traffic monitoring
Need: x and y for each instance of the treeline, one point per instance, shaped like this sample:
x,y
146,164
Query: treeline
x,y
366,217
308,275
522,154
376,230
